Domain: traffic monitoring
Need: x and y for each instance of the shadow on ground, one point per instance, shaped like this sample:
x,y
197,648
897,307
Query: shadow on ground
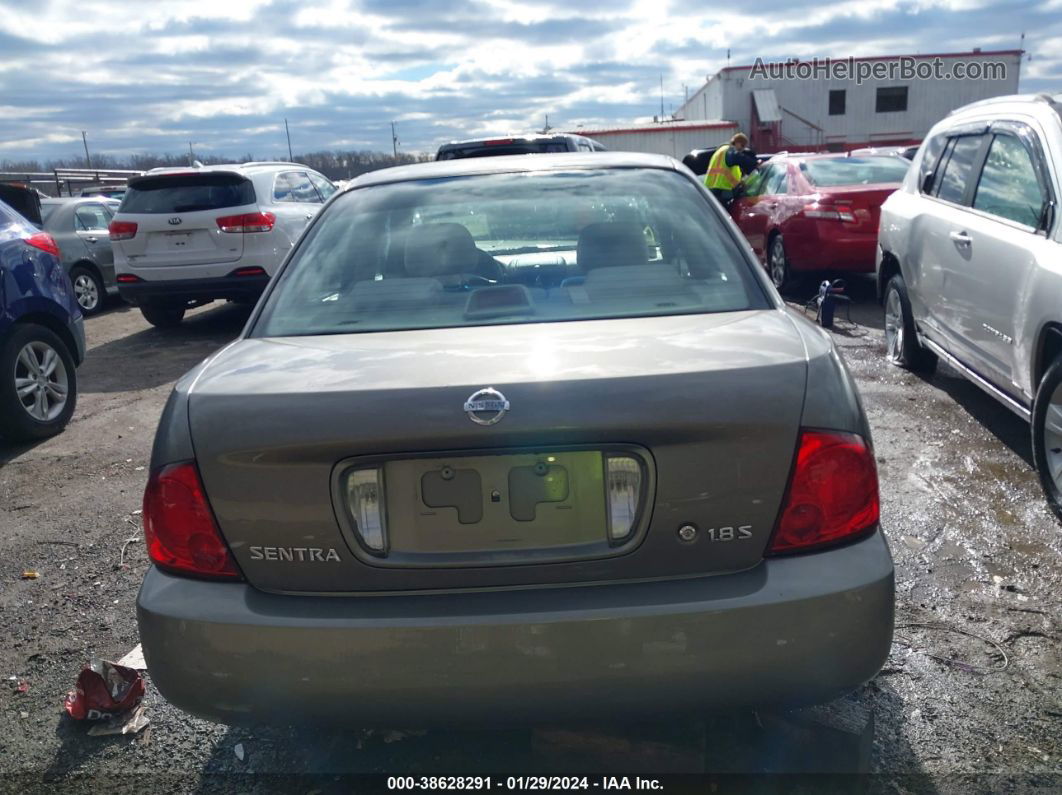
x,y
831,748
151,357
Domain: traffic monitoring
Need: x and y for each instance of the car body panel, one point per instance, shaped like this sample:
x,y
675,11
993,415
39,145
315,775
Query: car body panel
x,y
747,369
494,657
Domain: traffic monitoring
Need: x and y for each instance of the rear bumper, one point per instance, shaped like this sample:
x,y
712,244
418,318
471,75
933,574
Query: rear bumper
x,y
247,288
831,248
792,630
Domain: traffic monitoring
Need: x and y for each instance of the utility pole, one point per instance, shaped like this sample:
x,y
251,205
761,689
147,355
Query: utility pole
x,y
191,155
394,140
287,132
84,140
661,97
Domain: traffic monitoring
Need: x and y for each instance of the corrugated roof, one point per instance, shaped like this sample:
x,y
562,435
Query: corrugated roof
x,y
685,124
766,105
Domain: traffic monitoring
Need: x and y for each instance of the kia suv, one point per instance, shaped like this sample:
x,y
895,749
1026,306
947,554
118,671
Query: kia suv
x,y
515,438
42,335
968,262
185,237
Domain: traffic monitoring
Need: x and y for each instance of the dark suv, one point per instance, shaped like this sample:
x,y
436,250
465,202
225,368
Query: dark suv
x,y
518,145
42,336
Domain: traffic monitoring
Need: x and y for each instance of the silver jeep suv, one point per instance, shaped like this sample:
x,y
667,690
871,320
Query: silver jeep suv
x,y
183,237
969,262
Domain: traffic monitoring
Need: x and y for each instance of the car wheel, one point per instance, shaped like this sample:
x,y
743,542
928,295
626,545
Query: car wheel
x,y
1047,435
901,342
38,384
778,264
88,289
162,316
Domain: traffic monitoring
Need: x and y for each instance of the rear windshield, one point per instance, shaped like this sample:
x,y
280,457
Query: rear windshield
x,y
173,193
870,170
497,149
511,248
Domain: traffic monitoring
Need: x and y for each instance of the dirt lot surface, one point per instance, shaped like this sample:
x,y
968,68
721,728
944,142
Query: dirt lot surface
x,y
978,576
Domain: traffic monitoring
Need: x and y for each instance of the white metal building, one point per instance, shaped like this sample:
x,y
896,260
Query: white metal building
x,y
815,105
675,138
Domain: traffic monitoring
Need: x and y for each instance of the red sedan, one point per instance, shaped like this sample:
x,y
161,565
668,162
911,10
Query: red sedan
x,y
804,213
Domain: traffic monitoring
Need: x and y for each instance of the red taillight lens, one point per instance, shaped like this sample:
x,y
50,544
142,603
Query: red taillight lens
x,y
823,211
43,241
127,278
247,222
179,526
832,495
121,230
253,270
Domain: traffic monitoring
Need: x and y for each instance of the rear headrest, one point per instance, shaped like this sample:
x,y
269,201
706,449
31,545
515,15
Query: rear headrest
x,y
609,244
440,249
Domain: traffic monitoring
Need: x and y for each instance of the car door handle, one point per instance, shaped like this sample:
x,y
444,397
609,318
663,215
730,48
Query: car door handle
x,y
91,239
961,238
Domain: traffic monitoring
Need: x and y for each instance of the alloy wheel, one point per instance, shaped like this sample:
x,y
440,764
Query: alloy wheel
x,y
41,381
893,327
86,291
1052,432
777,262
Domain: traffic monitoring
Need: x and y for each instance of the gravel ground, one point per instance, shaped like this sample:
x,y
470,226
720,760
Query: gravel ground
x,y
977,556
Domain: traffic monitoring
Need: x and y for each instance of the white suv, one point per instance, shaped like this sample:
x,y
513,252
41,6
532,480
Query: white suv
x,y
184,237
970,262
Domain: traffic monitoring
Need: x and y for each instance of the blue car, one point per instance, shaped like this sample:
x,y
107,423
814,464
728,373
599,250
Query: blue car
x,y
42,334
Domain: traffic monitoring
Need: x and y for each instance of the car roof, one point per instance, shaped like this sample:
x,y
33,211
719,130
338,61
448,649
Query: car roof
x,y
516,137
1030,103
504,164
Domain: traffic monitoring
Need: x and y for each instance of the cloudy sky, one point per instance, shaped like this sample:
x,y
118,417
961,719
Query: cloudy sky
x,y
152,75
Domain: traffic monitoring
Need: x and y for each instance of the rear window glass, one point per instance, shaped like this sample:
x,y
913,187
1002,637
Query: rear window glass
x,y
187,193
511,248
495,150
837,171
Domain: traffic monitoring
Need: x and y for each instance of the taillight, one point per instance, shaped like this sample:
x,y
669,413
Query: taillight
x,y
43,241
247,222
121,230
832,494
252,270
179,526
127,278
827,210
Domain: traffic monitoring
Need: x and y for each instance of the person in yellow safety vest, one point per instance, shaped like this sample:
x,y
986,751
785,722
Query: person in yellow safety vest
x,y
724,173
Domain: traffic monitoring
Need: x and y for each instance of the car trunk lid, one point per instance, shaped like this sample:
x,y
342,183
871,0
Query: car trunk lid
x,y
862,201
710,405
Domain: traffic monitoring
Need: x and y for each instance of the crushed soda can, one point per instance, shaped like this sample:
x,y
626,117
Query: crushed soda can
x,y
104,690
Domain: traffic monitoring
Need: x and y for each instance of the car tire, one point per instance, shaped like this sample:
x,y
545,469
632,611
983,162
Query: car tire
x,y
162,315
88,289
778,264
1047,435
902,347
38,384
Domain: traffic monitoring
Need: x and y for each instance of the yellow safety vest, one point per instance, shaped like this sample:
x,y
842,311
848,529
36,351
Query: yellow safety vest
x,y
719,176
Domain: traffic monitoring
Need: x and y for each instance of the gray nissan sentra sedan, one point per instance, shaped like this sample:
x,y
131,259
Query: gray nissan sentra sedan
x,y
515,438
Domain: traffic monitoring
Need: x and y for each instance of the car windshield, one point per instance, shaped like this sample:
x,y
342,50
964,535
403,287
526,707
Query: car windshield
x,y
511,248
868,170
